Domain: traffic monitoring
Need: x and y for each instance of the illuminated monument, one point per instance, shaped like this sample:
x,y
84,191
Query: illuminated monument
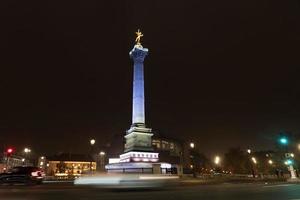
x,y
138,137
138,152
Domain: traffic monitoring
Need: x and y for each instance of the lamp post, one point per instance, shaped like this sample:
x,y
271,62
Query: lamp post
x,y
284,141
92,143
254,160
102,155
192,165
249,151
26,154
289,163
217,160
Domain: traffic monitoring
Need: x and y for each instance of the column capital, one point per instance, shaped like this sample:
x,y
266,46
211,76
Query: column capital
x,y
138,53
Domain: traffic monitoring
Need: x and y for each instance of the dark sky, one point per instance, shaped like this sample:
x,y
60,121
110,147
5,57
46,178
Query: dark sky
x,y
221,73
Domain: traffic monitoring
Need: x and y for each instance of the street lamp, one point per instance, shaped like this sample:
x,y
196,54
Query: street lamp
x,y
92,141
288,162
249,151
192,165
270,162
283,141
102,160
254,160
192,145
217,160
27,150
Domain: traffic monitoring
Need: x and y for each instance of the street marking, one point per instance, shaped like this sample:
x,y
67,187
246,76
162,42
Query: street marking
x,y
58,181
282,185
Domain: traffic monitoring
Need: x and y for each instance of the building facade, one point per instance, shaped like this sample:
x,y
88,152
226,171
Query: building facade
x,y
67,165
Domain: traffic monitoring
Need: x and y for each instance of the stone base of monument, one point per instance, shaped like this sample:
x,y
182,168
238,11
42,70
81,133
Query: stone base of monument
x,y
138,167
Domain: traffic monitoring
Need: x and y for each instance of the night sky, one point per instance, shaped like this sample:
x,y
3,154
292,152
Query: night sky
x,y
220,73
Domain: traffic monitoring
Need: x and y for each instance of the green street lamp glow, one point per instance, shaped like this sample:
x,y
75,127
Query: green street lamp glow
x,y
288,162
284,141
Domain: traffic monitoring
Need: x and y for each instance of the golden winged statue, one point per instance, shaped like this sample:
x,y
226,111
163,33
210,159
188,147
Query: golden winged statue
x,y
138,37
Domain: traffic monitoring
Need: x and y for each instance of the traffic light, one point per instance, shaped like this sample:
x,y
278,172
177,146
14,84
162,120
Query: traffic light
x,y
9,151
289,162
283,141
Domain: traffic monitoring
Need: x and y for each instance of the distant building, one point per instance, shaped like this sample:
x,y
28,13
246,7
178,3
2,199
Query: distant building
x,y
8,162
170,150
64,165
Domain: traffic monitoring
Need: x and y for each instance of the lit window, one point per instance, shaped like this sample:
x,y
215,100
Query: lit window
x,y
165,144
156,143
171,145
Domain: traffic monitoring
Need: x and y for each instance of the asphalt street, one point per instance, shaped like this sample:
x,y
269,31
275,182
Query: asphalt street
x,y
209,192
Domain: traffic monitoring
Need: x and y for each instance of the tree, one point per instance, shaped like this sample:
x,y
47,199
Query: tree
x,y
237,161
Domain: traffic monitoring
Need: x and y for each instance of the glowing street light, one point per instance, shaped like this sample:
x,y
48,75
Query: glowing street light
x,y
192,145
249,151
283,140
102,153
254,160
217,160
270,162
292,155
288,162
92,141
27,150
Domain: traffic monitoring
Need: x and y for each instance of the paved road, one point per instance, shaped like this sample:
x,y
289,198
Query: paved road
x,y
200,192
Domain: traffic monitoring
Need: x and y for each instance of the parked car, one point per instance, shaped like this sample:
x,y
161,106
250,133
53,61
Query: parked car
x,y
22,174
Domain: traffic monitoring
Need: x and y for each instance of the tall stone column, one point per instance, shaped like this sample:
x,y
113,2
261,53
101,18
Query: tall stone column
x,y
138,151
138,54
138,137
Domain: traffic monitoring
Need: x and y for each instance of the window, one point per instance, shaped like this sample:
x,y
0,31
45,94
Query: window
x,y
172,145
165,145
156,143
